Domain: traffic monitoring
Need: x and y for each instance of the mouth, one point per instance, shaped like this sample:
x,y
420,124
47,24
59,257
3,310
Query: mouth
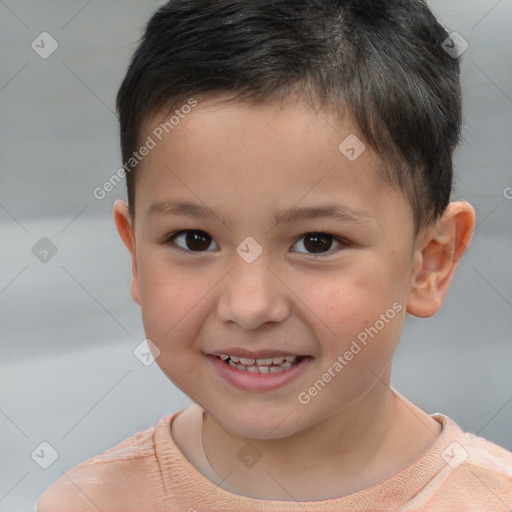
x,y
264,371
273,364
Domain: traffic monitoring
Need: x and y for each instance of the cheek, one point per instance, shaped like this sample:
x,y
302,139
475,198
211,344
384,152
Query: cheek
x,y
362,314
354,298
168,299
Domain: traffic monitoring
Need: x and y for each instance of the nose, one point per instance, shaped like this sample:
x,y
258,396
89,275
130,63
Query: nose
x,y
252,295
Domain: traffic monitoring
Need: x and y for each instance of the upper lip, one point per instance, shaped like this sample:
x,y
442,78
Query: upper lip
x,y
256,354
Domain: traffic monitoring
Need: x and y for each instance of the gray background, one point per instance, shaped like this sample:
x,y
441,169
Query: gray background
x,y
68,326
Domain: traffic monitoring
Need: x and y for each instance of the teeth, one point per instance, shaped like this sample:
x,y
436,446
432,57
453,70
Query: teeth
x,y
279,363
264,362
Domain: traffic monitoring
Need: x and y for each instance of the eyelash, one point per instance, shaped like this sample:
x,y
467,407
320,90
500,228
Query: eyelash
x,y
343,243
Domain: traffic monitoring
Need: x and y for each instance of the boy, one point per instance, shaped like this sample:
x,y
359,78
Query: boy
x,y
289,170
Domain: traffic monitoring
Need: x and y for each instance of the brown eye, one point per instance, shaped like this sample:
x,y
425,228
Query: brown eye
x,y
317,243
193,240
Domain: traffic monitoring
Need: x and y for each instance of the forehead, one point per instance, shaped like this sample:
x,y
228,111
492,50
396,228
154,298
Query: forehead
x,y
267,157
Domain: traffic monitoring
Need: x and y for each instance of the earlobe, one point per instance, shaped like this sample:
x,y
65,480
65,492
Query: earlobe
x,y
126,231
438,252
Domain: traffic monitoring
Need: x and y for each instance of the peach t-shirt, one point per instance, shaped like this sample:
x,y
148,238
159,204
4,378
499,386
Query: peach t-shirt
x,y
147,473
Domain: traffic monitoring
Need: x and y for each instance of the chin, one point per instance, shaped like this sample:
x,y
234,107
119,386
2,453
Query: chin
x,y
261,423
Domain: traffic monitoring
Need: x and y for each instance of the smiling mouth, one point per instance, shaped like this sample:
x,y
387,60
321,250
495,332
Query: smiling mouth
x,y
268,365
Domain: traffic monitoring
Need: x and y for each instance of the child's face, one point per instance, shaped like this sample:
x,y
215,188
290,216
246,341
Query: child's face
x,y
247,164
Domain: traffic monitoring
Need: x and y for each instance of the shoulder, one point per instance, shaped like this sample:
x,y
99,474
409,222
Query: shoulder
x,y
477,472
120,476
487,459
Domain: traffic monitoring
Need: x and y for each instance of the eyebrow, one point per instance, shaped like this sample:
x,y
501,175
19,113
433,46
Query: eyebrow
x,y
329,210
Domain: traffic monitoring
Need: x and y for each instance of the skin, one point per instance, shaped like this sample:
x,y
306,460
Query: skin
x,y
246,162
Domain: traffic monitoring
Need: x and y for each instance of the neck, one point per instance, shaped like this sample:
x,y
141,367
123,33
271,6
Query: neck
x,y
354,448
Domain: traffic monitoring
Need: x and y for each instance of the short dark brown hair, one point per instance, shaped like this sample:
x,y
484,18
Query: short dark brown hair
x,y
381,61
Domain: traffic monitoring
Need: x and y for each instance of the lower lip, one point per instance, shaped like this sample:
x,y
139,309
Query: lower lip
x,y
249,381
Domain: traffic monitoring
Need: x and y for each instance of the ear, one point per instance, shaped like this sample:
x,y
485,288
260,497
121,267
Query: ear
x,y
438,251
126,231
